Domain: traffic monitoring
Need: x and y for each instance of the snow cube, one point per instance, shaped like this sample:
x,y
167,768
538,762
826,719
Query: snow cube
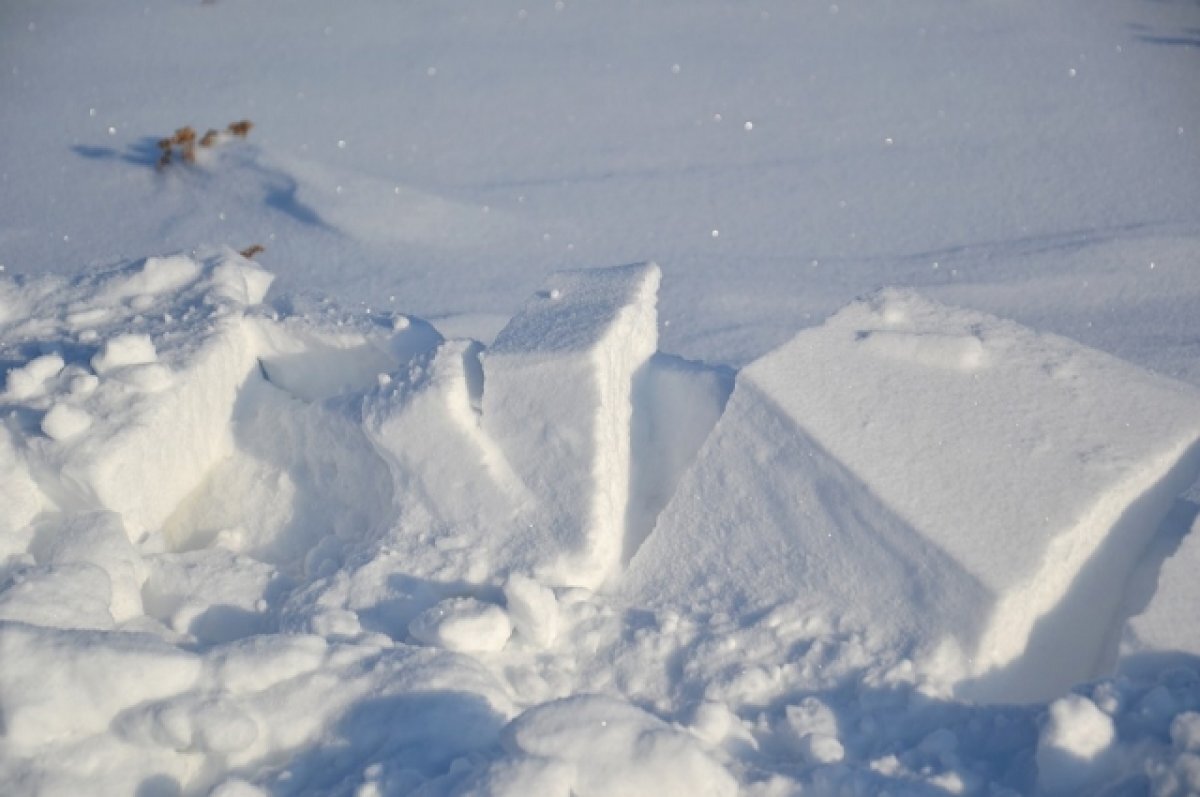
x,y
557,400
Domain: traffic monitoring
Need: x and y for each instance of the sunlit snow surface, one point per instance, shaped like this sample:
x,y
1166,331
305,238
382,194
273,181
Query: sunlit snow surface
x,y
423,503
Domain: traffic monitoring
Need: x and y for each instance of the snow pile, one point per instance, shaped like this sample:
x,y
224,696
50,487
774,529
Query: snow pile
x,y
285,548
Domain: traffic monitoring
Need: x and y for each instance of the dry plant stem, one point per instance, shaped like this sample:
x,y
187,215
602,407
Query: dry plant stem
x,y
250,251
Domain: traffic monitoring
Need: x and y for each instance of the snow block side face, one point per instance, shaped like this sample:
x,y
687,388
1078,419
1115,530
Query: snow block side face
x,y
765,517
557,400
1028,459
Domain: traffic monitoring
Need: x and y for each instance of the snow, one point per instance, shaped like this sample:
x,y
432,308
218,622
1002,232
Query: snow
x,y
558,403
1164,629
339,455
918,409
1073,745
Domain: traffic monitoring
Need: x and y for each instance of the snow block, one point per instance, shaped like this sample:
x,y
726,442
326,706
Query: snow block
x,y
557,400
966,478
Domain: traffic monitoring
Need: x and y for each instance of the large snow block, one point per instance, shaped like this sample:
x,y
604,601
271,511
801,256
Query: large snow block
x,y
557,400
1037,469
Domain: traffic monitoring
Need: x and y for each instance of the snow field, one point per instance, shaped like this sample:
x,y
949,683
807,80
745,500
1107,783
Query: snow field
x,y
326,553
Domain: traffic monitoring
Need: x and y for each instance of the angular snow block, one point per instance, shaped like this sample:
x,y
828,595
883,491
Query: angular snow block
x,y
557,400
966,478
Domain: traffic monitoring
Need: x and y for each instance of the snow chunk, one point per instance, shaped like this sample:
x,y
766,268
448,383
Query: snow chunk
x,y
157,275
29,380
557,400
454,494
65,421
533,609
240,282
614,749
127,349
981,492
1071,749
99,539
463,624
59,685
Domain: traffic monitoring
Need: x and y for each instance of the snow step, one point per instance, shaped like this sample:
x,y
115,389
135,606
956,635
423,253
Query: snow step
x,y
969,479
557,400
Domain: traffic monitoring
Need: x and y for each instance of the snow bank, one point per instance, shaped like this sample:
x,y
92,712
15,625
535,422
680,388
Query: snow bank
x,y
957,474
558,386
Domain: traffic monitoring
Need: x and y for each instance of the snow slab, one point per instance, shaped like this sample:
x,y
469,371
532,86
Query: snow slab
x,y
965,477
557,400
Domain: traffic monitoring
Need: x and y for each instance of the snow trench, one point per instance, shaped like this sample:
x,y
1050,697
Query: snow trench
x,y
247,505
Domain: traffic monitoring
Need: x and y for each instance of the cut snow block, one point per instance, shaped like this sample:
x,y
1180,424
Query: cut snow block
x,y
964,477
1165,634
558,402
157,411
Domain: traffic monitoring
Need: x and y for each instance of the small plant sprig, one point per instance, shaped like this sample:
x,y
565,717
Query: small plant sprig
x,y
185,141
250,251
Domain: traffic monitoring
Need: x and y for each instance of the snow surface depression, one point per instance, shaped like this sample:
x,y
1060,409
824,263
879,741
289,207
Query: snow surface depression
x,y
577,399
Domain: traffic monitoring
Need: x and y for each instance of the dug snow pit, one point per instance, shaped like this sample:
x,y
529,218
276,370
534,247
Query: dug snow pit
x,y
957,477
558,401
463,624
612,748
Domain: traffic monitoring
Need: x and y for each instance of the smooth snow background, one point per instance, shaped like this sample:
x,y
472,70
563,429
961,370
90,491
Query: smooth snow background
x,y
1031,159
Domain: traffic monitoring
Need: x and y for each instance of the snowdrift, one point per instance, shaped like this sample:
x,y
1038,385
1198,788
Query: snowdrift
x,y
285,547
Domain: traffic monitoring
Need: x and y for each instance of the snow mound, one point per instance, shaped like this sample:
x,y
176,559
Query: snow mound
x,y
967,479
576,745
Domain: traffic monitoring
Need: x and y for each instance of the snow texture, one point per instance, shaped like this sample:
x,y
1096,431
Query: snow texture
x,y
388,511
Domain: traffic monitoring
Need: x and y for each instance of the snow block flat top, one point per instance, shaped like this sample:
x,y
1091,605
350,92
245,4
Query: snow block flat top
x,y
1039,468
576,309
